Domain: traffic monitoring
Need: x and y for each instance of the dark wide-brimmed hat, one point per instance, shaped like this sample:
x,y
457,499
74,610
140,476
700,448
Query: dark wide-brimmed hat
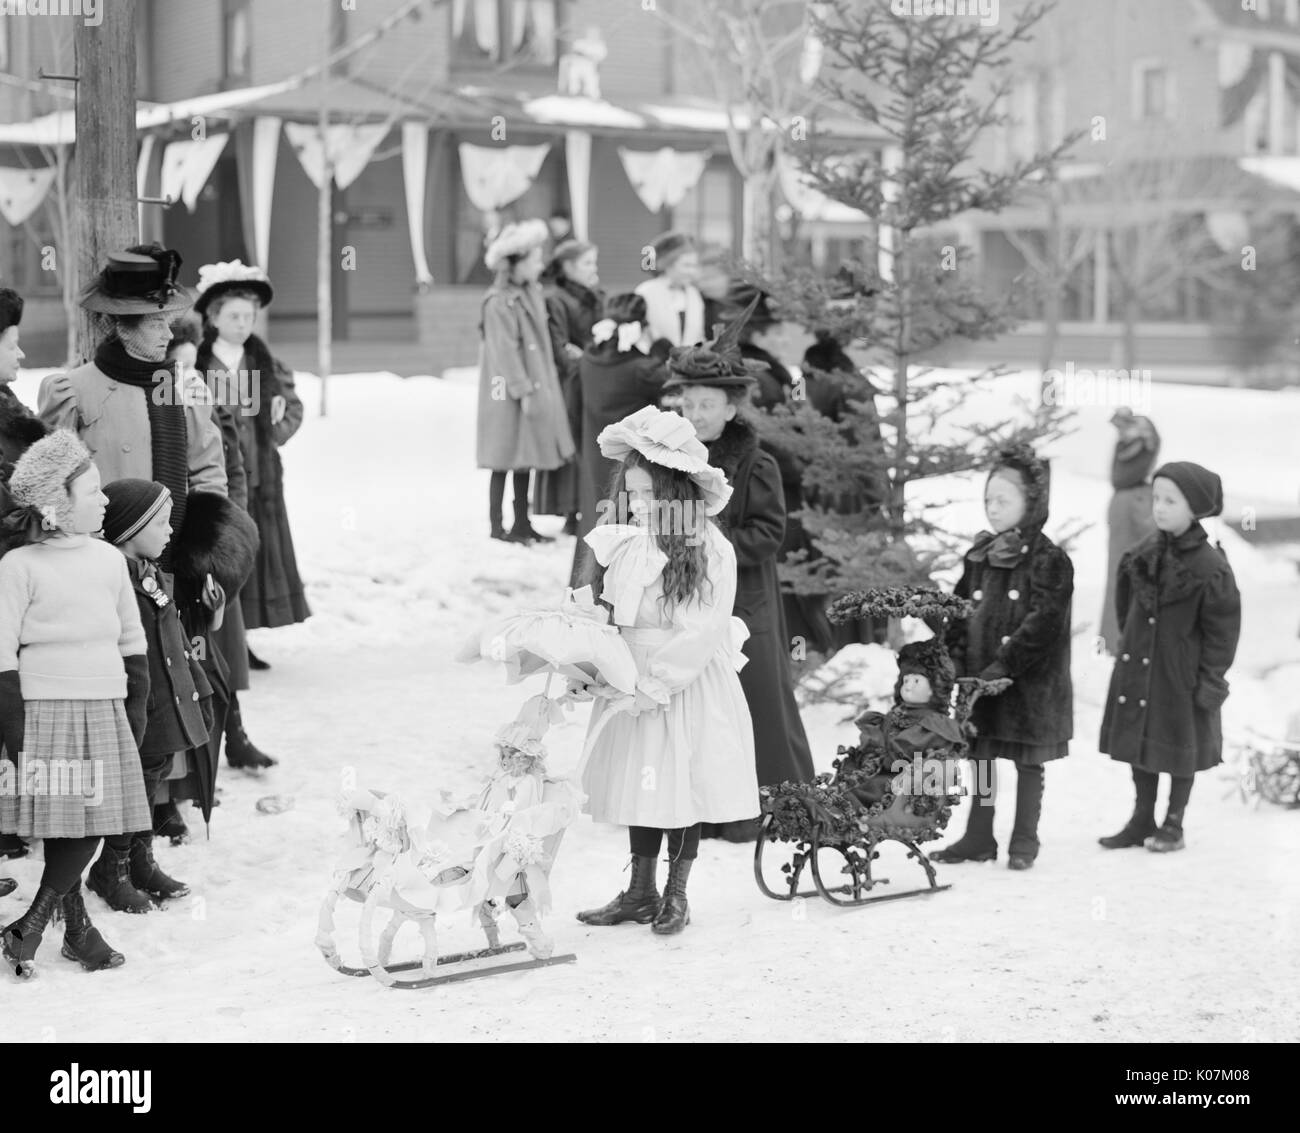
x,y
746,296
216,280
138,281
718,364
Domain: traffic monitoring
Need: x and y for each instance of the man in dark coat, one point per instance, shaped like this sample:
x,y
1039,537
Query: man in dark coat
x,y
1179,616
715,381
617,377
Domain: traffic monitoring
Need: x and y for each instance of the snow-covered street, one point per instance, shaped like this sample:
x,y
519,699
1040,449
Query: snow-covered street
x,y
389,517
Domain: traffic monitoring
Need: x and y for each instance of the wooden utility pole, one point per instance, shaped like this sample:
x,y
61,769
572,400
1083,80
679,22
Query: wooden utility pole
x,y
106,214
325,225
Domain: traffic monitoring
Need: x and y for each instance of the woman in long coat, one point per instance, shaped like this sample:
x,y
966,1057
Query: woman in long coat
x,y
522,423
1129,516
619,374
714,381
574,304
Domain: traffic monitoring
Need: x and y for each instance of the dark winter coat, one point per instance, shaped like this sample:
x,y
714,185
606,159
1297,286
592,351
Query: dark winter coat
x,y
754,521
1128,517
231,638
1020,629
273,595
571,311
177,683
613,385
1179,614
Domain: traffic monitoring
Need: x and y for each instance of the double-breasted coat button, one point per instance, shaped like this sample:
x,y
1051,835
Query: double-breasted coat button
x,y
1151,621
1013,594
1124,657
1146,660
1024,550
978,595
178,700
1005,640
126,448
1142,703
195,696
1123,699
169,662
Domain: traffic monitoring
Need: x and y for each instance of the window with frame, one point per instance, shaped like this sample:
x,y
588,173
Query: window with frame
x,y
707,212
1152,91
236,39
490,33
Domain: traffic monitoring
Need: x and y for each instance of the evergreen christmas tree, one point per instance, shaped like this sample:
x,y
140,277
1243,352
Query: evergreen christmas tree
x,y
932,84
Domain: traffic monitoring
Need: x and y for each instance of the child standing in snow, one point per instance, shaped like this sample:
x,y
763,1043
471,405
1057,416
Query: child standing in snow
x,y
74,683
1021,583
683,753
1179,617
138,522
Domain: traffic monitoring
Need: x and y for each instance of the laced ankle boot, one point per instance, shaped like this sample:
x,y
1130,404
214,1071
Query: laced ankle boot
x,y
638,903
82,941
147,876
21,939
110,878
675,914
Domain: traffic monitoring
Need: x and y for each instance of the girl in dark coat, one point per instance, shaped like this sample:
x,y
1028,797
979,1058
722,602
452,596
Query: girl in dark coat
x,y
618,374
1129,516
574,304
715,381
1179,615
1021,583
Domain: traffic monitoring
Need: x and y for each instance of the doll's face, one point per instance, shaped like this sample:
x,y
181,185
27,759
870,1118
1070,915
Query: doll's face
x,y
1169,507
88,503
916,689
1004,503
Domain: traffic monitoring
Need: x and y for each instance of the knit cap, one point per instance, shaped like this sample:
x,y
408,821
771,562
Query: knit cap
x,y
41,475
930,659
131,505
1202,488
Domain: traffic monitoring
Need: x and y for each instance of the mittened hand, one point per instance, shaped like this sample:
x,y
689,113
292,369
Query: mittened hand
x,y
1208,698
995,685
12,716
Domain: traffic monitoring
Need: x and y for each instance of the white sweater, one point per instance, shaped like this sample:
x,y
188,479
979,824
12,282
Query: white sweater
x,y
67,618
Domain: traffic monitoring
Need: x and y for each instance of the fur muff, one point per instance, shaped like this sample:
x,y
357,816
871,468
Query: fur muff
x,y
19,429
218,538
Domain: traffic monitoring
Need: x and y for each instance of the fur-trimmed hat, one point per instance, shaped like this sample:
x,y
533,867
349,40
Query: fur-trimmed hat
x,y
11,308
1201,488
41,478
515,240
930,659
222,278
217,537
1034,476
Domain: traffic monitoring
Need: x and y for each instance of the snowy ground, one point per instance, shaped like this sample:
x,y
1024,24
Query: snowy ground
x,y
389,519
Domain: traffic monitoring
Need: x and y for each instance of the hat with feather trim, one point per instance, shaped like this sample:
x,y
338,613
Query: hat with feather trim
x,y
718,364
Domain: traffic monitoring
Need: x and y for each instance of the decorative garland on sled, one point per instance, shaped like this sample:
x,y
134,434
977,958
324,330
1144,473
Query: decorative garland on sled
x,y
898,602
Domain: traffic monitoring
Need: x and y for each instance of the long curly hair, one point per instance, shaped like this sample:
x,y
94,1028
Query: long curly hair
x,y
677,495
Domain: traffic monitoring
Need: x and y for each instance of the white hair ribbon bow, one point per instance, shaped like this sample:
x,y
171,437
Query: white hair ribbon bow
x,y
629,334
603,331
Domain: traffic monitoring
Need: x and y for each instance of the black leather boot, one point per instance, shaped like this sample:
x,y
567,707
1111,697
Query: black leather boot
x,y
21,939
256,663
82,941
240,750
1169,838
110,878
147,877
638,903
1136,831
168,823
675,914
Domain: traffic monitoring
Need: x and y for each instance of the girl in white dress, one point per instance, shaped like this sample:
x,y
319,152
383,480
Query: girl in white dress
x,y
681,751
